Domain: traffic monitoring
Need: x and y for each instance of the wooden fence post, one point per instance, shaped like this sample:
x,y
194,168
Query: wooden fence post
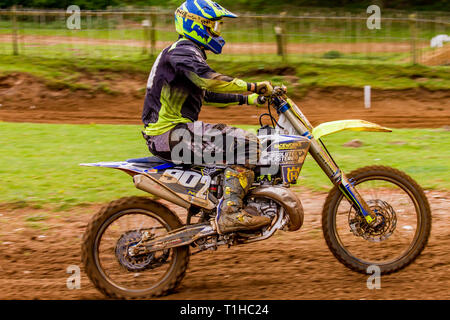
x,y
413,36
146,30
259,23
281,37
14,31
153,19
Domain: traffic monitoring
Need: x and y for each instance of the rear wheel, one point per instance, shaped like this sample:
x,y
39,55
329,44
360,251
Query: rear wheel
x,y
402,209
106,256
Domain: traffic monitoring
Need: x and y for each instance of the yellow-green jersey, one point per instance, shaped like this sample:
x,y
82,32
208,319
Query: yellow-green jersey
x,y
180,82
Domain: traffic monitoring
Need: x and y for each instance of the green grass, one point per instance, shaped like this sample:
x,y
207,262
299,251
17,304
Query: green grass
x,y
36,217
381,71
350,71
37,225
424,155
40,162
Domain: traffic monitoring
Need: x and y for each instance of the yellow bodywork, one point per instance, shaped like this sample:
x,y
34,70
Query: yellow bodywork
x,y
342,125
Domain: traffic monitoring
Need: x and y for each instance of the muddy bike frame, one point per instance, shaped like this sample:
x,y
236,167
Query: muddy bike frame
x,y
319,152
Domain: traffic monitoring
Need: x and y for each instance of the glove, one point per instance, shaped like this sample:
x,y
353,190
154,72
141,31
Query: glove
x,y
263,88
254,100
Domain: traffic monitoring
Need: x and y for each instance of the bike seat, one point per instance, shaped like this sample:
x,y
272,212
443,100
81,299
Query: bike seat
x,y
152,162
149,161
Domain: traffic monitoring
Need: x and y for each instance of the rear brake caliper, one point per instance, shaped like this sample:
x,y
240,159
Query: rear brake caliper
x,y
137,262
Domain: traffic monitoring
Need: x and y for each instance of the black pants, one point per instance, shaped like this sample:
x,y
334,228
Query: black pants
x,y
206,144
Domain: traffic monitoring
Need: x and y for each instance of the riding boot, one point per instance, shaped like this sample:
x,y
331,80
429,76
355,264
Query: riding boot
x,y
231,216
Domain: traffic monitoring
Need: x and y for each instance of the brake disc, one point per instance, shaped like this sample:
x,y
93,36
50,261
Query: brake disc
x,y
138,262
384,227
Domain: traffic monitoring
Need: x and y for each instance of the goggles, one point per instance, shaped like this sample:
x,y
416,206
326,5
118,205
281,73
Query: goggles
x,y
214,26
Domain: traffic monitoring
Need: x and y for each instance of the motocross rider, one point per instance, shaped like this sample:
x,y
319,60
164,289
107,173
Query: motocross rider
x,y
179,82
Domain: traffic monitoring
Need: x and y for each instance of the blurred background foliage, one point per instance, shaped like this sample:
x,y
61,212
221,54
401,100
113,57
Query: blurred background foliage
x,y
242,5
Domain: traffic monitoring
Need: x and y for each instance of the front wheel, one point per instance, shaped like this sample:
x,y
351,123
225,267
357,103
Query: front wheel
x,y
402,209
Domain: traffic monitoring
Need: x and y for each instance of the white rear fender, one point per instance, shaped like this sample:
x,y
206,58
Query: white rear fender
x,y
126,166
132,168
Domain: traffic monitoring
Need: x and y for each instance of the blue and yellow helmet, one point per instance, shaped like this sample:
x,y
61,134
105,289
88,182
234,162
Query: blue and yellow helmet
x,y
200,21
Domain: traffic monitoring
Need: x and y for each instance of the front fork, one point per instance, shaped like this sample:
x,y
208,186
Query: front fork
x,y
324,160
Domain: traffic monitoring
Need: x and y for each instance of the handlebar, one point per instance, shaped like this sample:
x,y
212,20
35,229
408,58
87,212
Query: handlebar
x,y
275,99
262,100
279,91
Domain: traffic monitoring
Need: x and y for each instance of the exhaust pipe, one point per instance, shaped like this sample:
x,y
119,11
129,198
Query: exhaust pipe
x,y
287,199
146,184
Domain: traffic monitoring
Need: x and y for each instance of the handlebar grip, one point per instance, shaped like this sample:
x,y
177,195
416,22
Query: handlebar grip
x,y
261,100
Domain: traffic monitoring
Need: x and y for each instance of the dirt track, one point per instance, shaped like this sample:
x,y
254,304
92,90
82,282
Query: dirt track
x,y
294,265
26,99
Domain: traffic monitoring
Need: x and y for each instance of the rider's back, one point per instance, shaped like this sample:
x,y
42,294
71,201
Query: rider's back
x,y
172,95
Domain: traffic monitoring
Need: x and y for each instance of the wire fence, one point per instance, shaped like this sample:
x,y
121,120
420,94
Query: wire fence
x,y
124,34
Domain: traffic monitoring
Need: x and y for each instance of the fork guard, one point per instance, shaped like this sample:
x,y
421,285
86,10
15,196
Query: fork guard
x,y
287,199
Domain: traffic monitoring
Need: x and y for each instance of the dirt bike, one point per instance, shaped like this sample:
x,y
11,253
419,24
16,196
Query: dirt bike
x,y
137,247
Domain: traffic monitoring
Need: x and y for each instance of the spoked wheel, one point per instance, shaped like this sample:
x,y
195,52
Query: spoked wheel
x,y
108,258
402,230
